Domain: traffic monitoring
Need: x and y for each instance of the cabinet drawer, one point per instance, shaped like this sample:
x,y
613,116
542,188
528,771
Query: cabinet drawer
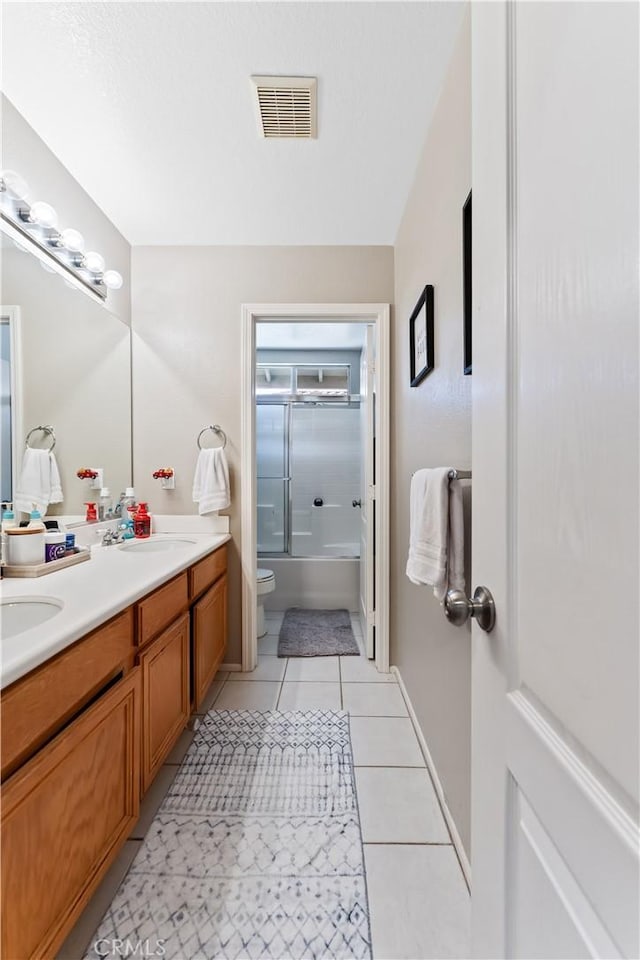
x,y
165,695
65,815
36,707
204,573
161,607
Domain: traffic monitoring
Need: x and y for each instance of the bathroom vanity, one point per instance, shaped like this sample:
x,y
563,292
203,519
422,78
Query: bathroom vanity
x,y
93,700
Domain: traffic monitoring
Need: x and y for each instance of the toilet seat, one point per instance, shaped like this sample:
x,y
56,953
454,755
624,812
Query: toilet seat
x,y
265,575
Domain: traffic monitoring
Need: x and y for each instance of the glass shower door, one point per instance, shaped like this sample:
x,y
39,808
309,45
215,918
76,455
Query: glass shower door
x,y
325,480
273,486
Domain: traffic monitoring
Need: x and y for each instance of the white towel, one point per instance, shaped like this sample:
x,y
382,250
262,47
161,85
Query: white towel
x,y
436,543
211,481
39,481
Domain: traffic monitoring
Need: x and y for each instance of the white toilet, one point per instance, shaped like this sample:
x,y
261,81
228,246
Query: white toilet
x,y
266,584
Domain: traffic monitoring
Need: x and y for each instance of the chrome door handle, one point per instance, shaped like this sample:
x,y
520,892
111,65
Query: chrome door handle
x,y
458,608
356,503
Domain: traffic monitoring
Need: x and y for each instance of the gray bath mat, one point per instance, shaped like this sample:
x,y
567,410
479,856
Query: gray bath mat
x,y
317,633
256,851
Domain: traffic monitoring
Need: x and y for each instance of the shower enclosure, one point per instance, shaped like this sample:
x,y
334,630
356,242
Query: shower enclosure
x,y
309,454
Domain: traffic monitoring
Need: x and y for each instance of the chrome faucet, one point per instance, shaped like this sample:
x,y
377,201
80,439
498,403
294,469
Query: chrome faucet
x,y
109,537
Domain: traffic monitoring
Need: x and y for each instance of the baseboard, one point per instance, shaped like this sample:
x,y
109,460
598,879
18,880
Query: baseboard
x,y
451,826
231,667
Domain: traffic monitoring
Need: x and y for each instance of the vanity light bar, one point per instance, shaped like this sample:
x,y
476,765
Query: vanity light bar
x,y
62,251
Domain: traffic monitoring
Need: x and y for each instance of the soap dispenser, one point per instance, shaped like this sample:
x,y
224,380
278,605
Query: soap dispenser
x,y
104,503
142,522
9,522
35,520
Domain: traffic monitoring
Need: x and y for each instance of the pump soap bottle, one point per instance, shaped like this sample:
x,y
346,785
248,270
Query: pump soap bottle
x,y
142,522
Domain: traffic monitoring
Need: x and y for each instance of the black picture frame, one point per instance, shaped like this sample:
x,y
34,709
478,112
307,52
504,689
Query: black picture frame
x,y
466,285
421,350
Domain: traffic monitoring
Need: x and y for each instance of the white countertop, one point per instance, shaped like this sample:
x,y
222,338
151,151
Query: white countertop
x,y
92,593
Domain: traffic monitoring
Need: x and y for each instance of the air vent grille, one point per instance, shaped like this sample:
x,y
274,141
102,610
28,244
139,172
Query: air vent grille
x,y
286,107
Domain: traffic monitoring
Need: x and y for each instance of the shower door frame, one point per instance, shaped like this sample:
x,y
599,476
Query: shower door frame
x,y
291,404
376,314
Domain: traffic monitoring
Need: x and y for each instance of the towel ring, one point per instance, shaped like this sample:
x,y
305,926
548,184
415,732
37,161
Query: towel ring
x,y
48,430
215,428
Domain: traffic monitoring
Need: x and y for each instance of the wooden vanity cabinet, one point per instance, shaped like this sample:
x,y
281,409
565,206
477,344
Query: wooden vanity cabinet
x,y
165,695
209,626
83,735
39,705
161,608
65,815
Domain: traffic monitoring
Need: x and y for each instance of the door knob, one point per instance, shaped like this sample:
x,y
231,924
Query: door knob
x,y
458,608
356,503
318,502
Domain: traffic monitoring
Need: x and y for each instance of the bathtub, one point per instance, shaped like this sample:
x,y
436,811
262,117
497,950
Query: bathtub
x,y
322,584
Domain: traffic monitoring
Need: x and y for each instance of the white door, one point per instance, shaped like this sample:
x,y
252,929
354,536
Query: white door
x,y
555,468
367,494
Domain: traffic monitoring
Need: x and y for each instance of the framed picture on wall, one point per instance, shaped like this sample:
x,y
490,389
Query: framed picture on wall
x,y
466,271
421,337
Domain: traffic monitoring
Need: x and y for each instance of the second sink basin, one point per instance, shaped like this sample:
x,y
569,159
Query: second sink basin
x,y
22,613
156,546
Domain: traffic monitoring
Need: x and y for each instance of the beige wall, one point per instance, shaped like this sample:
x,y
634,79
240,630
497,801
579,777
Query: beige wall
x,y
187,353
432,427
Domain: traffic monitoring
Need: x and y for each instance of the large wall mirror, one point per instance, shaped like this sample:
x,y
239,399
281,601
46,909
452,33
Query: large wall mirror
x,y
66,363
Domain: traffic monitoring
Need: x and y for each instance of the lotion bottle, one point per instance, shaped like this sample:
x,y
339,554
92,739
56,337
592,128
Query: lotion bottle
x,y
35,520
9,522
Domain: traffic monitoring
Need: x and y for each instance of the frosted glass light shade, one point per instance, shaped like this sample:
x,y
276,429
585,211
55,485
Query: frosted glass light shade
x,y
93,262
112,279
44,214
15,184
72,240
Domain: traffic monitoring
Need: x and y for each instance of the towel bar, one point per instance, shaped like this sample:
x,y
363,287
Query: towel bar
x,y
47,430
455,474
215,428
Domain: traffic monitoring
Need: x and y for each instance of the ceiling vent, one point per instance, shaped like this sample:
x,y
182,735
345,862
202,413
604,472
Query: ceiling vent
x,y
286,107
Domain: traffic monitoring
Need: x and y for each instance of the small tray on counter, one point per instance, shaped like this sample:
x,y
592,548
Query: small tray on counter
x,y
79,555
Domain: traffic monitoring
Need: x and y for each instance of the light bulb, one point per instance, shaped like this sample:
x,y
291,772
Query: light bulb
x,y
93,262
44,214
112,279
72,240
15,184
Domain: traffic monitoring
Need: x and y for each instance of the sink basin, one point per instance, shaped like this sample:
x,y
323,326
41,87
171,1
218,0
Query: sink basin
x,y
155,546
22,613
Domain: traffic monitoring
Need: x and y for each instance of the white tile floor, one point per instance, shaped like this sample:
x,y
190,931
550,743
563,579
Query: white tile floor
x,y
418,899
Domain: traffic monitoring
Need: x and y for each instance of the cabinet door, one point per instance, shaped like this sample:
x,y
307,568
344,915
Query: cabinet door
x,y
165,695
209,637
65,815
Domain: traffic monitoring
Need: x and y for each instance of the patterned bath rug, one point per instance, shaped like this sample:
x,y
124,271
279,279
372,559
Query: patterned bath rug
x,y
317,633
256,851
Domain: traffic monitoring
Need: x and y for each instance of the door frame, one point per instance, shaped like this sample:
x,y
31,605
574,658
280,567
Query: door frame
x,y
376,314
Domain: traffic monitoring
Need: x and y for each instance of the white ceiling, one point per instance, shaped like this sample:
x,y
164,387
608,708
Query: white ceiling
x,y
149,105
310,336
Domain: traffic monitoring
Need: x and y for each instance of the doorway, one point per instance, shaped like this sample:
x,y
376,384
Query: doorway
x,y
287,523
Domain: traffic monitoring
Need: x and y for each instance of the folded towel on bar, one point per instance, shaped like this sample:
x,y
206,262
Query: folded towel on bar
x,y
39,481
436,540
211,481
